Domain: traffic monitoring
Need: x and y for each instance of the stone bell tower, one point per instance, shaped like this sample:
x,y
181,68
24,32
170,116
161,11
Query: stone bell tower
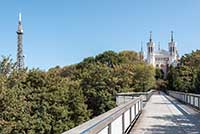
x,y
150,50
172,49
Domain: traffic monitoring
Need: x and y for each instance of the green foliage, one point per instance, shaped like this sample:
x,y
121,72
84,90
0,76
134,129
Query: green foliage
x,y
6,66
35,101
185,77
172,78
109,58
197,82
144,77
44,103
97,88
159,74
161,84
129,56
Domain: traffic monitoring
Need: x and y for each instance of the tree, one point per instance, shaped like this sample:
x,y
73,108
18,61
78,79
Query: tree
x,y
129,56
144,77
35,101
96,87
159,74
6,66
109,58
172,78
185,77
197,82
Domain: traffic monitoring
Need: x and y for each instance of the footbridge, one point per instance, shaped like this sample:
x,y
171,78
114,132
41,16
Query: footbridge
x,y
147,113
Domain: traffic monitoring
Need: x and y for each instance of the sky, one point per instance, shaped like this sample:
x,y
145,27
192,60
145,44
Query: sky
x,y
64,32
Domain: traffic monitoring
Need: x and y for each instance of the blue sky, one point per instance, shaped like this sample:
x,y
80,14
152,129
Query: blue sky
x,y
63,32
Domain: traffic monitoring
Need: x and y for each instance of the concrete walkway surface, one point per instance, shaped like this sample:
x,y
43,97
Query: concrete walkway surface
x,y
165,115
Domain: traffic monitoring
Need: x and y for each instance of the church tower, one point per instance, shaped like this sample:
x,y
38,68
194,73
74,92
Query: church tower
x,y
150,50
172,49
20,56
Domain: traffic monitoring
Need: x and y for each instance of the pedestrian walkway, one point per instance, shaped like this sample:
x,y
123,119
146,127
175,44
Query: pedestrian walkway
x,y
165,115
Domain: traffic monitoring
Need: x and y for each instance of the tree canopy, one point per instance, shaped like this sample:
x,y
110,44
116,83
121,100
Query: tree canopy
x,y
33,101
186,76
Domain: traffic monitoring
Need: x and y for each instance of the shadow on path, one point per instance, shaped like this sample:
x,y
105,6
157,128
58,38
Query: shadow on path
x,y
186,123
180,119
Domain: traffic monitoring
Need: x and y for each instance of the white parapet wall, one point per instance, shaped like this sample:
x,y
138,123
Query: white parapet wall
x,y
116,121
188,98
122,98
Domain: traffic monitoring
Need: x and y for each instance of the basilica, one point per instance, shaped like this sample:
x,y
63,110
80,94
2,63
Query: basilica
x,y
161,58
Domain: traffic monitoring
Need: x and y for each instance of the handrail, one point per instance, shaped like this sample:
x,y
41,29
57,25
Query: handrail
x,y
189,98
138,93
122,98
115,121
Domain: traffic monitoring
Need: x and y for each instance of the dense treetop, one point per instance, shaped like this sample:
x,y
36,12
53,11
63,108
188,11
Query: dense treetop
x,y
186,76
33,101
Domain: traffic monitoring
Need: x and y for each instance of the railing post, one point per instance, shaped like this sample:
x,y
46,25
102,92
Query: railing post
x,y
193,100
199,102
135,109
123,124
130,115
189,99
184,98
109,129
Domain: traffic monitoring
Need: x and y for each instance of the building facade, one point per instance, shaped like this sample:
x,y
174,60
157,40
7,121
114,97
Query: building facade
x,y
161,58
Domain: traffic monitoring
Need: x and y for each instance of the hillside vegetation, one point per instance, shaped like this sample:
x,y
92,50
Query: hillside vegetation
x,y
186,76
50,102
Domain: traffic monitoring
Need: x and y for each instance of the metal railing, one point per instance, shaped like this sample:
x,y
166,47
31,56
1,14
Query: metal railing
x,y
116,121
191,99
122,98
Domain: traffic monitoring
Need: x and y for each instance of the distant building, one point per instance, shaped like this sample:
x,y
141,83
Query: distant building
x,y
161,58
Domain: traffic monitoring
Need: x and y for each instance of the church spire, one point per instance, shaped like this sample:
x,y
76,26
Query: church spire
x,y
172,36
150,39
159,46
142,47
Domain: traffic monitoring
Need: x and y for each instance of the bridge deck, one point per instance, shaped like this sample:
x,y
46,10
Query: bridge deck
x,y
164,114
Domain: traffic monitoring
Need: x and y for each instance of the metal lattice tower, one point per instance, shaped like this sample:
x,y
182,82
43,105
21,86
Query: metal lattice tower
x,y
20,56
